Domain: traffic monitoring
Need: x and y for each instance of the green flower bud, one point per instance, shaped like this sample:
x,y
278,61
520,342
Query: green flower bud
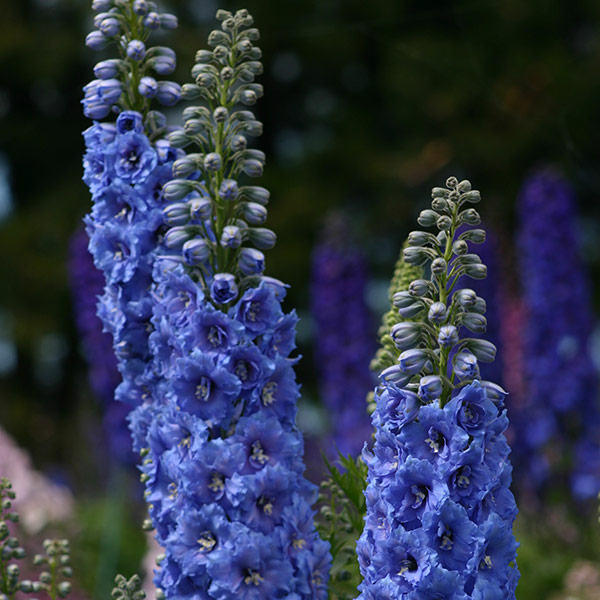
x,y
444,223
190,91
476,271
477,236
439,204
428,218
438,192
451,182
474,322
439,266
460,247
420,287
464,186
417,255
420,238
473,197
469,216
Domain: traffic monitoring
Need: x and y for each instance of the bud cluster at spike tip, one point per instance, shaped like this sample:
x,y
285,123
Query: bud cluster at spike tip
x,y
87,283
130,81
439,509
561,405
215,219
204,349
343,335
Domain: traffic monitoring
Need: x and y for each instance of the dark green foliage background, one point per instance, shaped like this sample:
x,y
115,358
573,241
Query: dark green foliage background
x,y
368,104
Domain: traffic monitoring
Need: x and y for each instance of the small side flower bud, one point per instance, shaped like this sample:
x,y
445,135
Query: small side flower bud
x,y
195,252
262,238
412,361
229,190
437,312
251,261
136,50
430,388
231,237
428,218
447,336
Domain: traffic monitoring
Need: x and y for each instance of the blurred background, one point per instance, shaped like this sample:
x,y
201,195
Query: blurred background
x,y
367,106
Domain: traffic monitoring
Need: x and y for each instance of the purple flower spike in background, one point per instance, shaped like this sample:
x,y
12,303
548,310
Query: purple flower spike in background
x,y
87,283
561,415
344,335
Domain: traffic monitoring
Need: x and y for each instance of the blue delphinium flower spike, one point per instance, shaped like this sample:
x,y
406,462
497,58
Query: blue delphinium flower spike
x,y
344,335
562,384
223,462
439,510
125,166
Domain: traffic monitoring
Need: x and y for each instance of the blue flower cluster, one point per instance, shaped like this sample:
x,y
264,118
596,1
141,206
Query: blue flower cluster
x,y
439,509
562,384
87,283
201,339
344,335
129,81
223,464
125,173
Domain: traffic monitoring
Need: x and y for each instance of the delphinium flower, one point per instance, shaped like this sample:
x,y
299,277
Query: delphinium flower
x,y
562,387
87,283
344,341
125,166
439,509
223,462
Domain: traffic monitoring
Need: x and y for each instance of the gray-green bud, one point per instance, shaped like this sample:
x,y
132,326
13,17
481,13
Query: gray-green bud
x,y
190,91
476,271
221,52
483,350
439,204
460,247
474,322
417,255
427,218
451,182
473,197
203,56
439,266
469,216
439,192
444,223
420,287
480,306
464,186
420,238
220,114
405,335
466,298
477,236
217,37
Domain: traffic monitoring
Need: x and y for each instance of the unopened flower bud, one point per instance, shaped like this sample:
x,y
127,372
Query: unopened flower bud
x,y
477,236
109,26
402,299
476,271
466,298
212,161
254,213
419,238
136,50
177,189
439,204
220,114
438,192
203,56
231,237
163,64
460,247
140,7
195,252
96,40
405,335
200,209
190,91
493,391
439,266
473,197
262,238
474,322
447,336
168,93
101,5
430,388
444,223
221,52
427,218
480,306
416,255
152,20
176,214
226,73
185,166
217,37
437,312
451,182
168,21
464,186
465,365
395,375
107,69
412,361
238,143
419,287
148,87
251,261
252,167
248,97
483,350
469,216
177,236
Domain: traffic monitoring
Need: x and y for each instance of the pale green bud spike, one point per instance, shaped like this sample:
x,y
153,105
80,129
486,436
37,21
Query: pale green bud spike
x,y
404,274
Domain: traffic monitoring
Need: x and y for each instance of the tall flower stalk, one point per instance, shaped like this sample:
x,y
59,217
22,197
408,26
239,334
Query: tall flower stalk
x,y
562,409
203,343
439,511
343,335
